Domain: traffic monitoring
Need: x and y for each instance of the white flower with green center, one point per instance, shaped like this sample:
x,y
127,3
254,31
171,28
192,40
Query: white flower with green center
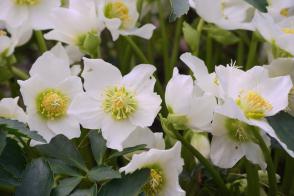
x,y
114,103
32,13
85,35
188,106
233,138
120,18
10,110
280,34
12,37
253,95
283,67
48,94
227,14
165,167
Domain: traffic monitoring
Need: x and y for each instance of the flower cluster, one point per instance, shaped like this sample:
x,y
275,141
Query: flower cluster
x,y
218,113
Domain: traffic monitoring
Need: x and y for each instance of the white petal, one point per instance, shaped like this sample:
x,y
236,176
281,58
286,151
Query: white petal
x,y
87,110
50,67
99,75
144,136
179,92
254,154
224,152
139,78
68,126
148,105
275,91
74,53
116,132
145,31
60,52
71,86
201,112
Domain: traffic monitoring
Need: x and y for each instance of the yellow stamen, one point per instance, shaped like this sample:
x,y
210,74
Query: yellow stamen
x,y
119,102
284,12
3,33
155,183
288,30
52,104
26,2
119,10
253,104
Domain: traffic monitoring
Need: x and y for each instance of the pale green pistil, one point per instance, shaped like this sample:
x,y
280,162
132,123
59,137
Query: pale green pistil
x,y
52,104
238,130
26,2
119,102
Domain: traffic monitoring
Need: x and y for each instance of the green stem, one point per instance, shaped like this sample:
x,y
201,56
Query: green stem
x,y
270,166
288,175
252,51
41,41
163,35
252,179
209,53
175,51
136,49
240,53
19,73
198,36
216,176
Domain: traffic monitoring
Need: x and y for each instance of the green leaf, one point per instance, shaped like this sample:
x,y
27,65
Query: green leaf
x,y
283,124
98,146
38,180
15,127
86,192
221,35
12,163
190,36
62,148
130,185
5,73
103,173
60,167
2,141
128,150
259,4
66,186
179,8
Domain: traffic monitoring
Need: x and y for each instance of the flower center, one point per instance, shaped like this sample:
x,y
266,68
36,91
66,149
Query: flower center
x,y
26,2
253,104
155,183
238,130
288,30
119,10
284,12
52,104
119,102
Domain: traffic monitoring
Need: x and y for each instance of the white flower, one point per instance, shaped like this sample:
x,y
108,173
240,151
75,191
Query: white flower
x,y
227,14
116,104
17,37
34,13
232,139
207,82
165,167
75,24
280,10
253,95
282,67
48,93
145,136
10,110
183,98
280,33
120,18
